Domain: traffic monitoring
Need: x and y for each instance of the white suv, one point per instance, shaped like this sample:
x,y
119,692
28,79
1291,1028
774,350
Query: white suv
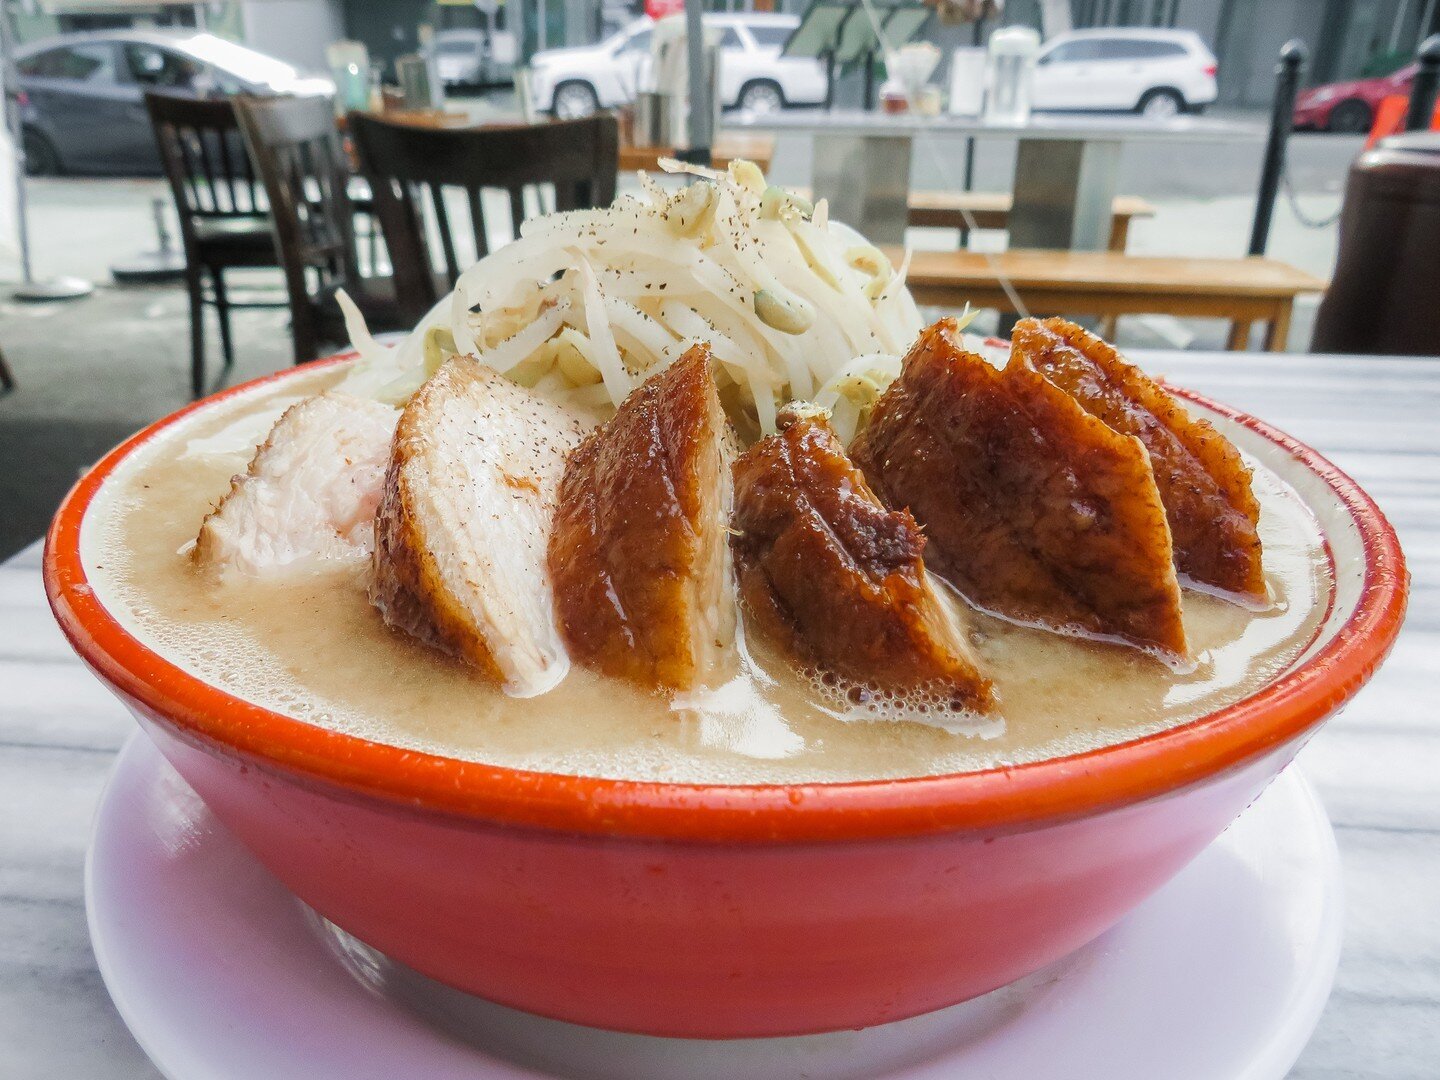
x,y
1155,72
575,82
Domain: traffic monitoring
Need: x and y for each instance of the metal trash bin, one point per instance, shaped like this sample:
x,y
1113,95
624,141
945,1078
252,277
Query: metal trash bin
x,y
1383,298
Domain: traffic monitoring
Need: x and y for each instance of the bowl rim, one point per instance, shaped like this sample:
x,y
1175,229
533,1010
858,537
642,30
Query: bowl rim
x,y
1000,798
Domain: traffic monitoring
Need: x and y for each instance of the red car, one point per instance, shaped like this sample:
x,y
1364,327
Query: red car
x,y
1349,106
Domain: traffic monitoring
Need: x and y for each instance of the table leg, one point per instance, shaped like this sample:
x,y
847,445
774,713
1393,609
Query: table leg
x,y
866,178
1119,232
1239,335
1277,334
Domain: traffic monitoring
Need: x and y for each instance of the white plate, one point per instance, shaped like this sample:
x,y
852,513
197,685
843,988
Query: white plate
x,y
221,973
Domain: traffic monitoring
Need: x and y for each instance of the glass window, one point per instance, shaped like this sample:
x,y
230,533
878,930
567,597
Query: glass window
x,y
731,39
151,66
1074,52
638,42
79,63
33,66
1137,49
770,37
457,47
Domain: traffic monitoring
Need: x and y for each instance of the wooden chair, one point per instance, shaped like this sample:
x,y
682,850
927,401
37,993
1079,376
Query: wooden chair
x,y
409,169
219,201
301,160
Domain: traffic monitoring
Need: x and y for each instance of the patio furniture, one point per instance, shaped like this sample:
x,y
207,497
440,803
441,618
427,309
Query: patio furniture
x,y
1066,167
219,201
1387,277
566,165
992,210
298,153
1110,284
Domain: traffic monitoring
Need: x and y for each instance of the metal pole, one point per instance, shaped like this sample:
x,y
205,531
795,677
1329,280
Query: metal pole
x,y
701,107
1422,90
977,35
1293,55
63,288
869,79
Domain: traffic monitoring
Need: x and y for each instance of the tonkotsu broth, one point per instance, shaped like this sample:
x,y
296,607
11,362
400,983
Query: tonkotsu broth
x,y
311,646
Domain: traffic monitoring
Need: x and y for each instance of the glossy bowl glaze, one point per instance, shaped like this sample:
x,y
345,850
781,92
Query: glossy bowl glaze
x,y
729,911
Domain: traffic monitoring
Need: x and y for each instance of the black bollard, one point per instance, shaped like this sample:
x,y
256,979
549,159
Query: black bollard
x,y
1293,55
1422,90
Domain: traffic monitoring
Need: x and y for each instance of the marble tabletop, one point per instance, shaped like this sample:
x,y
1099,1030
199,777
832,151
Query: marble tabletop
x,y
1377,766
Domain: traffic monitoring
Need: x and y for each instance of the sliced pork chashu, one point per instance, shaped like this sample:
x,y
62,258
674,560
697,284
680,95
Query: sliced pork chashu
x,y
1033,508
638,555
835,577
463,525
1203,482
309,495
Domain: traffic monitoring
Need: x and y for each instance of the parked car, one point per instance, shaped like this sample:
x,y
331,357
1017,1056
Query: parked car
x,y
753,75
475,57
81,96
1154,72
1349,106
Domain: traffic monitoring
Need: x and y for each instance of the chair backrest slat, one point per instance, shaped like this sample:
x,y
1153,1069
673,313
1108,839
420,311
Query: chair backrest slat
x,y
205,161
517,209
442,226
580,158
477,223
297,151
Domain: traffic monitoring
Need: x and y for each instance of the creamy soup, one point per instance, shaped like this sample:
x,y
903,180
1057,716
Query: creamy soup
x,y
311,646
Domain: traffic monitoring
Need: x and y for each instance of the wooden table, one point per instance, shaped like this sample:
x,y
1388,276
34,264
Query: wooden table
x,y
992,209
1109,284
1376,765
728,147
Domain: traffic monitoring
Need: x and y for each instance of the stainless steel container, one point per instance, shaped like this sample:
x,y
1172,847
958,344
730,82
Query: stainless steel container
x,y
414,78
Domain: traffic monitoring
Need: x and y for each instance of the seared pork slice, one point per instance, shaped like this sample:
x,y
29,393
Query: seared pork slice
x,y
639,555
309,495
1034,509
835,577
462,528
1203,482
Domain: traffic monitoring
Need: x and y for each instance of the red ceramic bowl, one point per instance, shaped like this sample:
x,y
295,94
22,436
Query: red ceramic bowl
x,y
720,911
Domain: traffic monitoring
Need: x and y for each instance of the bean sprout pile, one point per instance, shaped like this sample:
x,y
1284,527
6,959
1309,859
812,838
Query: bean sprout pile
x,y
587,304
